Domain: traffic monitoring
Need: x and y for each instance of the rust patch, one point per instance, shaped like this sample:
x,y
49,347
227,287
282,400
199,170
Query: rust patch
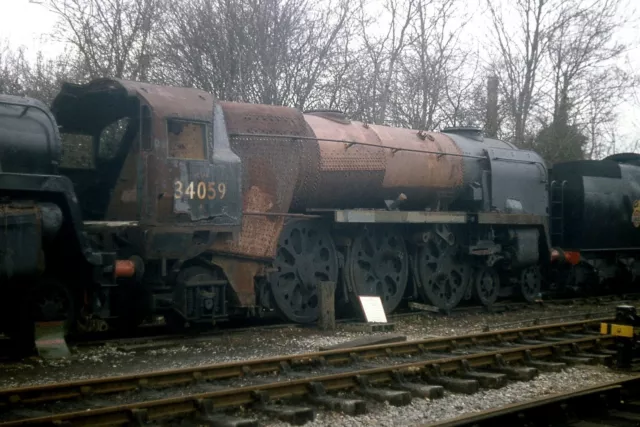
x,y
186,139
271,168
241,274
374,174
420,170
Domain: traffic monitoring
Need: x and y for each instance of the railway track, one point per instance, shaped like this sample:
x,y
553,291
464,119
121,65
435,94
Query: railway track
x,y
607,405
508,306
393,373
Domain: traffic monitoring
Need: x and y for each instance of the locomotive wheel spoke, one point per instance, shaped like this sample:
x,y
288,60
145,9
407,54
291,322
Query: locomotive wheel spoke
x,y
305,257
530,283
486,285
378,264
442,279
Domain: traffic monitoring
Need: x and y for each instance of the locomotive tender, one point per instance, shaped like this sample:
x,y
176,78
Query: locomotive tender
x,y
168,201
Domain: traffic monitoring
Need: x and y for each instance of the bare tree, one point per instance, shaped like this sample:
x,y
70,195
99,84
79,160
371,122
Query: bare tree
x,y
12,64
385,52
588,84
519,57
272,52
434,71
39,78
113,37
597,98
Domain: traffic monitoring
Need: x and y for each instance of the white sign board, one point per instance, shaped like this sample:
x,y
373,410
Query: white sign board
x,y
373,309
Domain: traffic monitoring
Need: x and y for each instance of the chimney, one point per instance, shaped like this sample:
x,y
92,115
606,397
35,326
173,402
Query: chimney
x,y
492,107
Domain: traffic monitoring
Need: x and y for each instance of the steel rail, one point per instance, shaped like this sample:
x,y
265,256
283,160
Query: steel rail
x,y
509,414
222,399
39,394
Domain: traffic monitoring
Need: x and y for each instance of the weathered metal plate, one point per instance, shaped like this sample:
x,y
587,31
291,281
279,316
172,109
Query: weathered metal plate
x,y
364,174
361,216
505,218
399,217
407,169
50,341
74,111
271,167
518,175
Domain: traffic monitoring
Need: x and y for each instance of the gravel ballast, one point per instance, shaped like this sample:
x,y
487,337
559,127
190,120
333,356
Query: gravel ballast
x,y
231,346
425,411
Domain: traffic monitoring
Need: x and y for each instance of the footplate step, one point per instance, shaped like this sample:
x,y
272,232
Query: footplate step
x,y
50,341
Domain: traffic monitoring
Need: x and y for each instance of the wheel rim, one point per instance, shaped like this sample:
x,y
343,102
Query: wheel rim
x,y
305,257
378,264
487,285
530,281
442,280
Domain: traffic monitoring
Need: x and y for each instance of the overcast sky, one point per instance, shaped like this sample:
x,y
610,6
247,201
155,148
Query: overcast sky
x,y
26,23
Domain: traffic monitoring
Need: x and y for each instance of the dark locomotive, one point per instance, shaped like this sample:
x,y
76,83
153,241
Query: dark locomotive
x,y
154,200
595,218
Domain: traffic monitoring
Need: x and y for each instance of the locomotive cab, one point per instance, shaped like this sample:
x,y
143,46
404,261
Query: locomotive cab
x,y
158,156
158,184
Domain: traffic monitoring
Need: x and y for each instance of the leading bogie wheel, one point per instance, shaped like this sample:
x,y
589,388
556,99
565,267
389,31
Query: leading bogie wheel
x,y
486,285
530,283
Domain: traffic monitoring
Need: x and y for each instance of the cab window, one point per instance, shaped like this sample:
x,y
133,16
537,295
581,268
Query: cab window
x,y
111,138
187,140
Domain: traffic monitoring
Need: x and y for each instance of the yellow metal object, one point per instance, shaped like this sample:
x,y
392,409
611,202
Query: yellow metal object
x,y
616,330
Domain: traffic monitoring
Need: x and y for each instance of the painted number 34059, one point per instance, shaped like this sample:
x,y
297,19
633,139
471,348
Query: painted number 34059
x,y
200,190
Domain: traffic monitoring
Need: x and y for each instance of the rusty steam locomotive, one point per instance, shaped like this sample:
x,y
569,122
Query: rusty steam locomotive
x,y
127,200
